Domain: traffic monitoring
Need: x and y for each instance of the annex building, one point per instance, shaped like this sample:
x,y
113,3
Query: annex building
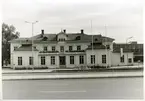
x,y
67,50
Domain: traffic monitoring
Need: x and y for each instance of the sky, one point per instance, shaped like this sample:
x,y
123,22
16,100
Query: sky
x,y
122,18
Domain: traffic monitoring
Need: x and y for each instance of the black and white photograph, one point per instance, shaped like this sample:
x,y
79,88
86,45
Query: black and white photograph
x,y
72,49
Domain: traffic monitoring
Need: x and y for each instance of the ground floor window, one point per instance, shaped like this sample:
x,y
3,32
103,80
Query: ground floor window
x,y
130,60
71,59
81,59
122,59
42,60
52,60
30,60
103,58
19,60
92,59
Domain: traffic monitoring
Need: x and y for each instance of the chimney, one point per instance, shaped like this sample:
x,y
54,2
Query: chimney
x,y
42,33
64,31
82,31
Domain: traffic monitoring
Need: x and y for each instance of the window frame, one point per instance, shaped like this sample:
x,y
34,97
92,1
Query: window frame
x,y
104,60
122,59
81,58
31,60
92,59
78,47
20,61
53,48
52,58
71,59
43,60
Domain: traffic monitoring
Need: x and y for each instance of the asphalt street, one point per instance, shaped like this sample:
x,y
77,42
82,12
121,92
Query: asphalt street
x,y
106,88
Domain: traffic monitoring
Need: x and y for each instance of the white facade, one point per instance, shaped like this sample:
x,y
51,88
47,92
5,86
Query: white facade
x,y
62,58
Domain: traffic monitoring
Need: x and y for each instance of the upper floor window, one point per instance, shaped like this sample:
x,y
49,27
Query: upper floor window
x,y
61,48
53,48
62,39
78,47
15,48
45,48
70,48
108,46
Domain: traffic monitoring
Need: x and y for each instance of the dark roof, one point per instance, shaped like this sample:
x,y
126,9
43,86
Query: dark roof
x,y
124,50
27,47
96,47
72,37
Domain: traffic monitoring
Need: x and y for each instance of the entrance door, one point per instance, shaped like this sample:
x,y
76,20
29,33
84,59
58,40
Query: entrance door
x,y
61,60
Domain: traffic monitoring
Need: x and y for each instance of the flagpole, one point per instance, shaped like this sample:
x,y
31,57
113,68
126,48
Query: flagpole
x,y
92,41
106,43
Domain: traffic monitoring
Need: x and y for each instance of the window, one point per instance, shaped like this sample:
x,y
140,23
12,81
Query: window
x,y
52,60
42,60
92,59
103,58
81,59
70,48
45,48
78,47
108,46
130,60
122,59
53,48
15,48
19,60
71,59
30,60
61,48
78,38
62,39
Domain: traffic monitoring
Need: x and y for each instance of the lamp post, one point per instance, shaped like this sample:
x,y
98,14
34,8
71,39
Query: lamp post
x,y
126,45
32,23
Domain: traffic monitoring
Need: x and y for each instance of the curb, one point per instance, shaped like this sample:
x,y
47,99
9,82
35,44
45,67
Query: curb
x,y
85,77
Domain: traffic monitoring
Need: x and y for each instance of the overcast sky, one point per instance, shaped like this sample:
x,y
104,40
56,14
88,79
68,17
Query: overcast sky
x,y
123,18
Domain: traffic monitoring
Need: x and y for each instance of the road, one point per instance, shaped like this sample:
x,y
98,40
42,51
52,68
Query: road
x,y
106,88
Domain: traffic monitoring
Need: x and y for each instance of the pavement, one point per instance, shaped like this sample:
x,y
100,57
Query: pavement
x,y
106,88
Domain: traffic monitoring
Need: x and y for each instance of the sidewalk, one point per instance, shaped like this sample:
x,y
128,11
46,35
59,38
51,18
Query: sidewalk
x,y
74,76
12,71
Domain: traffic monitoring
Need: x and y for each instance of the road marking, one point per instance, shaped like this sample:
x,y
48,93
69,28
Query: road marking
x,y
53,84
63,91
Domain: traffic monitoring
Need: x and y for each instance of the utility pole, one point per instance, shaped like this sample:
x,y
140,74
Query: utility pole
x,y
32,24
106,44
126,46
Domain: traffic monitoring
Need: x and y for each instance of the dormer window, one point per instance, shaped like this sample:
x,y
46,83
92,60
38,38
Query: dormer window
x,y
45,38
96,39
62,39
78,38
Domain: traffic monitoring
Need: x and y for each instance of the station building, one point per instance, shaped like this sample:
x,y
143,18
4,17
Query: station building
x,y
67,50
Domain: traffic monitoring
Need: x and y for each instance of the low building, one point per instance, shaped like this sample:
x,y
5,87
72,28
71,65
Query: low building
x,y
67,50
134,47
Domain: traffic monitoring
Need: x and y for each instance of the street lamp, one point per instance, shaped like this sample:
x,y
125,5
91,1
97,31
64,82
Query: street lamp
x,y
126,45
32,23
